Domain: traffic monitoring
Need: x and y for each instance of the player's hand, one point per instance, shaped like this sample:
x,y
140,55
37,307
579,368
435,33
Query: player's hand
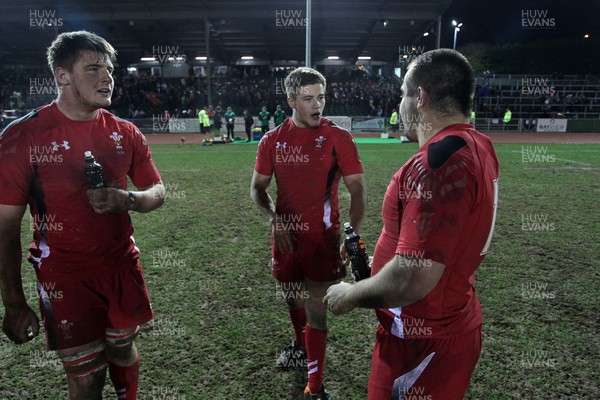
x,y
337,299
17,323
344,255
109,200
283,238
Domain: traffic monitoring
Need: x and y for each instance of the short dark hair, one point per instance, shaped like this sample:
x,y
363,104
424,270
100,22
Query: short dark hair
x,y
66,49
448,78
301,77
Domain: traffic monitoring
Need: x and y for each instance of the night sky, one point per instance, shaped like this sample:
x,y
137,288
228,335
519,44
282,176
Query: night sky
x,y
500,22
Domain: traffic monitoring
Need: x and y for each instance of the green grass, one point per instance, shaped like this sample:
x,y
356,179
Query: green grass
x,y
220,324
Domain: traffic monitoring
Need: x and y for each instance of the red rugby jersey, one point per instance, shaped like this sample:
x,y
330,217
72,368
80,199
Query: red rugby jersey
x,y
42,164
441,206
308,163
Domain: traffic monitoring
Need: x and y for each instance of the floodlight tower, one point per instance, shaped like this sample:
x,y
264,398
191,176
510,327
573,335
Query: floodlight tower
x,y
457,26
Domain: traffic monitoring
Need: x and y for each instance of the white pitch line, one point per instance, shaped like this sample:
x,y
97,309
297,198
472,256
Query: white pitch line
x,y
181,170
561,159
573,161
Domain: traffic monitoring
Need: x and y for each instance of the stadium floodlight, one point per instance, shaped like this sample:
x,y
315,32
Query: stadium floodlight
x,y
333,58
148,59
247,58
457,26
364,57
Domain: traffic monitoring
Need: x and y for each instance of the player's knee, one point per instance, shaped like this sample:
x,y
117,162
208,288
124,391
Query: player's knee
x,y
294,300
317,322
316,315
88,387
120,347
86,368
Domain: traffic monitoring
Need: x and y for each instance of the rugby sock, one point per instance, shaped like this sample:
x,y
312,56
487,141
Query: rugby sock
x,y
298,317
125,379
316,341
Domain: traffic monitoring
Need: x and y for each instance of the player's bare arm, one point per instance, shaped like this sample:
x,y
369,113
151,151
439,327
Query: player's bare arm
x,y
113,200
18,316
357,187
284,239
401,282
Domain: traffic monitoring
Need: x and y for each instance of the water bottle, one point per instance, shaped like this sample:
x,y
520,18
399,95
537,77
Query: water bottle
x,y
94,173
357,253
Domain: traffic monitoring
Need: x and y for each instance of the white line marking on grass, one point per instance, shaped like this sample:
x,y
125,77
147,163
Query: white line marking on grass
x,y
182,170
562,159
564,167
573,161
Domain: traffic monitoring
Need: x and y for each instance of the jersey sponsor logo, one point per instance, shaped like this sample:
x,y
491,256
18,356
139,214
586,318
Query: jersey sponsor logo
x,y
290,155
64,145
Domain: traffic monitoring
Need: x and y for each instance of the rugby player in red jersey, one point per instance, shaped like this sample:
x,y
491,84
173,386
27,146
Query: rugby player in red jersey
x,y
438,217
307,154
91,288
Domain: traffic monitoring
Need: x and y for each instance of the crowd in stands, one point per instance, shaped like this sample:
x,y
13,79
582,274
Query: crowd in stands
x,y
488,103
349,92
354,93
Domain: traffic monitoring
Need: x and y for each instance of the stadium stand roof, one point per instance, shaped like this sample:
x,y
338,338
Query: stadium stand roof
x,y
266,29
